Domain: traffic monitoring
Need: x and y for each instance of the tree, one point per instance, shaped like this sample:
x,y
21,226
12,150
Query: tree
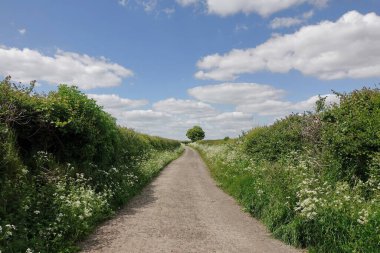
x,y
195,134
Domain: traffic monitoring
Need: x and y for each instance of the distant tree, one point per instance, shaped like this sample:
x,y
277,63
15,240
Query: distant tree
x,y
226,138
195,134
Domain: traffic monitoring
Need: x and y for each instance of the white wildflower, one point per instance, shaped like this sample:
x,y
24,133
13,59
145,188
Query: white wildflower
x,y
363,217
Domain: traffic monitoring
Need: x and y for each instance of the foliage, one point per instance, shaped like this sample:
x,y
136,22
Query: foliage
x,y
295,203
351,132
279,139
195,134
65,166
313,179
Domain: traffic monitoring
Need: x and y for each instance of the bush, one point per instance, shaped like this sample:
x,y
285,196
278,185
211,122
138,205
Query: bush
x,y
273,142
296,203
351,132
313,179
65,166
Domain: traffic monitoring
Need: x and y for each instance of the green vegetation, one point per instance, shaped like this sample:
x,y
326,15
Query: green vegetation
x,y
65,165
195,134
313,179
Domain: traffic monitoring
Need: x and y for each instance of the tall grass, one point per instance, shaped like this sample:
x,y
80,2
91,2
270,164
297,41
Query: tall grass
x,y
65,165
313,179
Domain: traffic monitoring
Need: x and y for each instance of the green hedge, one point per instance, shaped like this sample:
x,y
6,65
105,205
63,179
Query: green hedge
x,y
344,137
313,179
65,165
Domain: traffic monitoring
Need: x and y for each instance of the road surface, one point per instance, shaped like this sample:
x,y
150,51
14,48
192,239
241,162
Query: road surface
x,y
183,210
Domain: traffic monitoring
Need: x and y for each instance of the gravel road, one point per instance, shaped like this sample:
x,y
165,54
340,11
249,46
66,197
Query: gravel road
x,y
183,210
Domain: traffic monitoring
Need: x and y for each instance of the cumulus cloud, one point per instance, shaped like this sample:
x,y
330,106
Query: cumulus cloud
x,y
228,124
308,14
285,22
187,2
184,107
171,117
112,101
175,126
148,121
352,50
259,99
144,116
82,70
290,21
261,7
282,108
235,93
187,113
249,104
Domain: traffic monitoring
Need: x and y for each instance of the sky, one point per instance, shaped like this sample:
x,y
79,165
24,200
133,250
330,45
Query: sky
x,y
163,66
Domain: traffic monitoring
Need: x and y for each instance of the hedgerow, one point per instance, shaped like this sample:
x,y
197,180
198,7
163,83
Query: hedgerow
x,y
313,179
65,165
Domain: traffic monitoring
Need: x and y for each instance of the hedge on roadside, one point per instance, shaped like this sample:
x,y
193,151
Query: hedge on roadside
x,y
65,165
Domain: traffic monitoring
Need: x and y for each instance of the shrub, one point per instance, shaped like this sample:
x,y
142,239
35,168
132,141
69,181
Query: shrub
x,y
65,165
351,132
272,142
313,179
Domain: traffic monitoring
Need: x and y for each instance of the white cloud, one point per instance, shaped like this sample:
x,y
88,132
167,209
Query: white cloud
x,y
309,104
228,124
184,107
112,101
175,126
144,116
22,31
285,22
291,21
82,70
282,108
235,93
261,7
253,104
171,118
187,2
347,48
259,99
308,14
168,118
267,107
155,123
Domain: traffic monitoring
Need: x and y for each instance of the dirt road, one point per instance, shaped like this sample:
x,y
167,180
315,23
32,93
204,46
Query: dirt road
x,y
183,211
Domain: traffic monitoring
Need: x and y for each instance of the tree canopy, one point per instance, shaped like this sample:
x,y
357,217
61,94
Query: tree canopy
x,y
195,134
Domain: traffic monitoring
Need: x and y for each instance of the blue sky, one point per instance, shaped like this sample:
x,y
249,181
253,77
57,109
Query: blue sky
x,y
161,66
